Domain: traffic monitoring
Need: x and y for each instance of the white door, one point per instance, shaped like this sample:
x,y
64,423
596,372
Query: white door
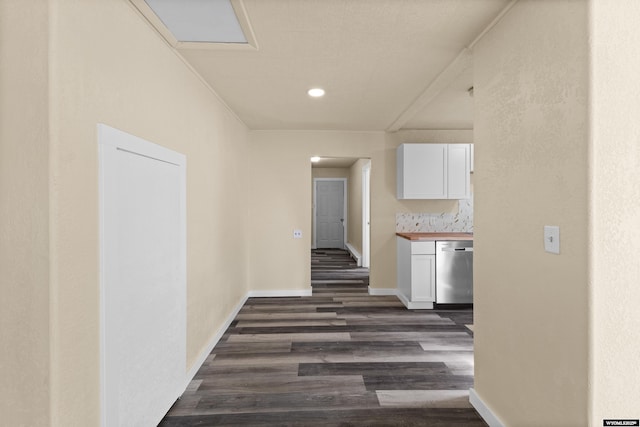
x,y
366,214
143,278
330,214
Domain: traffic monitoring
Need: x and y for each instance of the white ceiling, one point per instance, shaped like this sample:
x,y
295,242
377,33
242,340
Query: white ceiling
x,y
385,64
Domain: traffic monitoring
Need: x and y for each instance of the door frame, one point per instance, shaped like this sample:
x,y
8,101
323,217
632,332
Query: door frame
x,y
366,215
344,210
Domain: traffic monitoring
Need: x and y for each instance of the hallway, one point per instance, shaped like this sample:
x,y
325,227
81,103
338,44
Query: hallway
x,y
339,357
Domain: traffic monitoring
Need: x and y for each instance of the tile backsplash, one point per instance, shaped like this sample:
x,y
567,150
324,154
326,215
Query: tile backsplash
x,y
433,222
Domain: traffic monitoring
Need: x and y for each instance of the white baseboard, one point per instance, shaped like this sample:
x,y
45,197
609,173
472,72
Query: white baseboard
x,y
485,412
214,340
415,305
280,293
355,254
382,291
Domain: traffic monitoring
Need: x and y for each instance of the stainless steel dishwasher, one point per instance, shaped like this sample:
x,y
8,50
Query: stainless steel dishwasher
x,y
454,272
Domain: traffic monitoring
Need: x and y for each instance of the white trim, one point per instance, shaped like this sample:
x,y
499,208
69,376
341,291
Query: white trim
x,y
344,210
413,305
366,215
355,254
485,412
383,291
212,343
280,293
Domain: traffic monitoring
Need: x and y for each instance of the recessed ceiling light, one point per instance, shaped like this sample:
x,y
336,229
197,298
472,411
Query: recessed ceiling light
x,y
315,159
316,92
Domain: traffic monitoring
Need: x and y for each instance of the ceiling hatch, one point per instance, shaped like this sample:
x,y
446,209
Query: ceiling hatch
x,y
200,24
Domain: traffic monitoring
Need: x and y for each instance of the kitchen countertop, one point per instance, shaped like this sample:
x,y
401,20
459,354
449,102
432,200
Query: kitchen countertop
x,y
432,237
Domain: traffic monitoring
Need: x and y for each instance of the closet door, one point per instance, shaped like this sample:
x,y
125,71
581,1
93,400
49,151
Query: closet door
x,y
143,280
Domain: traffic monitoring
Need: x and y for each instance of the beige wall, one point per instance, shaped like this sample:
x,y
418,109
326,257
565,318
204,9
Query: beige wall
x,y
615,217
108,66
531,145
279,174
533,355
24,214
280,199
329,173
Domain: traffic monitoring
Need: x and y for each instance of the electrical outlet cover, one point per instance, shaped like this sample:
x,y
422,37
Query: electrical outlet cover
x,y
552,239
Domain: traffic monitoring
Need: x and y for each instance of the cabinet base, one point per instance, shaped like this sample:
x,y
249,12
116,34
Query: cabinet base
x,y
415,305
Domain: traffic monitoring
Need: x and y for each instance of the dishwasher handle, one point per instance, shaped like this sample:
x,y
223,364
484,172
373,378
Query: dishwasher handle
x,y
457,249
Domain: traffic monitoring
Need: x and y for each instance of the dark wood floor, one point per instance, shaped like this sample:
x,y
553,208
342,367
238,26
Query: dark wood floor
x,y
339,357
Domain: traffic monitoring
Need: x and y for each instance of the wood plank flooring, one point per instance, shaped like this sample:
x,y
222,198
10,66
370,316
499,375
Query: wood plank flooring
x,y
337,358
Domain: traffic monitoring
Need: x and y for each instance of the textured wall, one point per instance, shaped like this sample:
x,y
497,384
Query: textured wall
x,y
24,213
280,199
280,171
615,219
531,145
121,73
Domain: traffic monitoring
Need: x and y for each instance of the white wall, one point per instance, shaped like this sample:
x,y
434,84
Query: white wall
x,y
531,145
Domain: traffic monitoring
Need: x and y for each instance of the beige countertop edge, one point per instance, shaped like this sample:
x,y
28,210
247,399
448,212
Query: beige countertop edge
x,y
431,237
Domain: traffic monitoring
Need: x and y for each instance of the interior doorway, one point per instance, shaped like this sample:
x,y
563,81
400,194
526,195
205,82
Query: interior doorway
x,y
330,214
356,173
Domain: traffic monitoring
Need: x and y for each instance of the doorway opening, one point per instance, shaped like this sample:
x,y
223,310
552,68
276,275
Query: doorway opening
x,y
341,206
341,220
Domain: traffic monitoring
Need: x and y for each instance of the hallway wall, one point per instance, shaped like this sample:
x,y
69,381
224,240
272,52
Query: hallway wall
x,y
281,199
280,171
531,170
121,72
24,213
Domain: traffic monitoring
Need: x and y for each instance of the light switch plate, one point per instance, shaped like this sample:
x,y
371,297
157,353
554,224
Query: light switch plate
x,y
297,234
552,239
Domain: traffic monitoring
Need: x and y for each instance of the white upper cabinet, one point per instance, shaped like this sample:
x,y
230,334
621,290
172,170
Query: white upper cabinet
x,y
422,171
433,171
458,171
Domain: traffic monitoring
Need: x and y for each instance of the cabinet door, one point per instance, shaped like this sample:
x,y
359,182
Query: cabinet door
x,y
422,171
423,278
458,174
